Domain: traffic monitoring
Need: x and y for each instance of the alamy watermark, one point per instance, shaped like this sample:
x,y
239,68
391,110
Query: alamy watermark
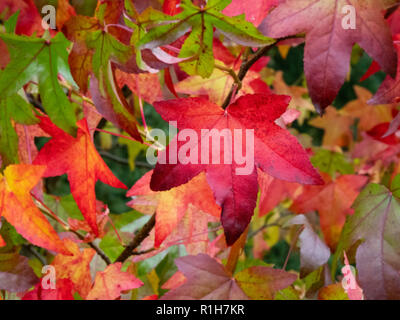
x,y
238,147
349,21
48,281
50,17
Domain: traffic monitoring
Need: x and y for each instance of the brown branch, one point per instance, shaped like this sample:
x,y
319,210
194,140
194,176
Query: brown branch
x,y
94,247
245,67
140,236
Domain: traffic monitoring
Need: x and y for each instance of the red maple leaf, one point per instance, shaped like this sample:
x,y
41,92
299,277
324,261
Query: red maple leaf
x,y
79,159
328,44
276,152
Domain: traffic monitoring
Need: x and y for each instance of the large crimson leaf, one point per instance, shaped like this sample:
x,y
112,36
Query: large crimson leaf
x,y
276,152
79,159
328,44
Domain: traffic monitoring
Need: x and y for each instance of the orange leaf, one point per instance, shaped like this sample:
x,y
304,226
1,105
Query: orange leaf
x,y
75,267
109,284
64,12
145,85
337,127
332,201
273,191
333,292
369,116
17,207
171,205
79,159
2,242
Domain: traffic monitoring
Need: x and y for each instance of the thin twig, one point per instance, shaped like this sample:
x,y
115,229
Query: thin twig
x,y
232,73
49,213
140,236
292,245
124,161
94,247
245,67
265,226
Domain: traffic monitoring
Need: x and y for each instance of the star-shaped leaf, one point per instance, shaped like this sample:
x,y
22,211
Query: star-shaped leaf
x,y
235,188
199,43
329,44
79,159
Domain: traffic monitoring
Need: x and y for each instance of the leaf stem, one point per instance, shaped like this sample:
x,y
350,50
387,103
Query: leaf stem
x,y
244,68
232,73
292,245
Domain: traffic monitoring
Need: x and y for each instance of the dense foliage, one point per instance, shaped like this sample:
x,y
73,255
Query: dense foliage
x,y
205,149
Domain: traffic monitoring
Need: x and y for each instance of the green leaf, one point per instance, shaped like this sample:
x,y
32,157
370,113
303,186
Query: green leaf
x,y
395,186
8,137
31,58
13,108
198,46
239,30
262,283
375,224
106,95
111,246
11,22
331,162
199,43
